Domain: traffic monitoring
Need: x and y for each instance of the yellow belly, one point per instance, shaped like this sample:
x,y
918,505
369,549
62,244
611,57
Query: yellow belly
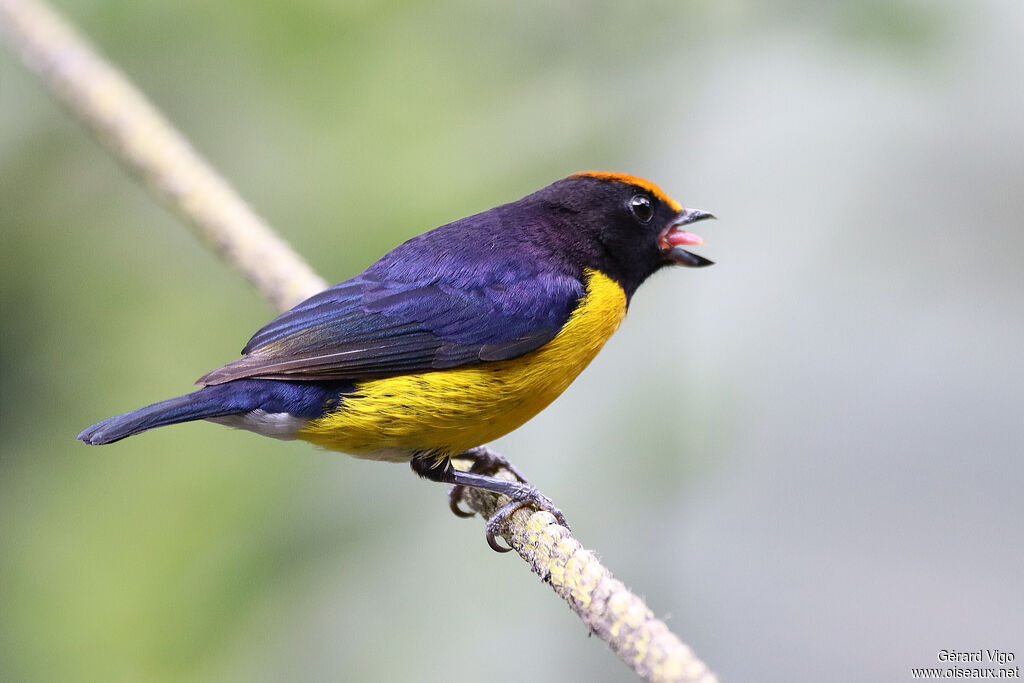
x,y
449,411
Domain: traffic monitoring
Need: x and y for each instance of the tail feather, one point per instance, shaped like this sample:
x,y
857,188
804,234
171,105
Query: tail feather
x,y
238,397
198,405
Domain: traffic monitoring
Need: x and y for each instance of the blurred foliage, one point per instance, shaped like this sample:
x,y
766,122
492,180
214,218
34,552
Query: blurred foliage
x,y
719,460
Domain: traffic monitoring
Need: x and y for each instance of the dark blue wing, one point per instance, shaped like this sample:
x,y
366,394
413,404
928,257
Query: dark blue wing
x,y
379,325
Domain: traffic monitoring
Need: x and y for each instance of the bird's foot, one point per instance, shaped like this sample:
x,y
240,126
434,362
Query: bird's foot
x,y
525,495
486,462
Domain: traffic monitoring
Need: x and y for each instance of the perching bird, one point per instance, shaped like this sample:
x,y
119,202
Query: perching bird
x,y
450,340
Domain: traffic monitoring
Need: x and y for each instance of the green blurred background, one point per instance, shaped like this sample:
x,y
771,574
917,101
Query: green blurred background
x,y
808,457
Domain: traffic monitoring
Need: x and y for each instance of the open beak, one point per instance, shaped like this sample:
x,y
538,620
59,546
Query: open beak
x,y
672,239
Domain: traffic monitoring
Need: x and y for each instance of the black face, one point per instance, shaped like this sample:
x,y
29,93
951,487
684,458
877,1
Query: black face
x,y
630,231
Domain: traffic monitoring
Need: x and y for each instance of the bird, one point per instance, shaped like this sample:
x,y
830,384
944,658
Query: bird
x,y
450,340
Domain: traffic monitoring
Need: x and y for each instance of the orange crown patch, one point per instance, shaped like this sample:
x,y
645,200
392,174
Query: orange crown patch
x,y
633,180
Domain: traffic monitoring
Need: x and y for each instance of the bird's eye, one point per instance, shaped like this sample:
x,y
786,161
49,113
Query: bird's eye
x,y
640,206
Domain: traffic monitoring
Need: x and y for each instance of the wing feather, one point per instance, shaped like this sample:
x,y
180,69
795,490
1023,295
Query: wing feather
x,y
366,328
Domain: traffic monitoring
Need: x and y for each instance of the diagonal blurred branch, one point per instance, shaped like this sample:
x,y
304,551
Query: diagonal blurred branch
x,y
135,132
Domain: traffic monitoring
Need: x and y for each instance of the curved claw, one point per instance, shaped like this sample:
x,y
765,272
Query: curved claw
x,y
560,518
497,520
493,542
455,496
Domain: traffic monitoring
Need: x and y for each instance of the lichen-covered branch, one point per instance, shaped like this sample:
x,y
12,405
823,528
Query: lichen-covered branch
x,y
611,611
134,132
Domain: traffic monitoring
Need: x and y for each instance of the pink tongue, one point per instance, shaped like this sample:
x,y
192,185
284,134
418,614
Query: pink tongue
x,y
677,238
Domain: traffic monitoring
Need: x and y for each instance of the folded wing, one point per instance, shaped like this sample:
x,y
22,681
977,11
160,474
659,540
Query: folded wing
x,y
371,327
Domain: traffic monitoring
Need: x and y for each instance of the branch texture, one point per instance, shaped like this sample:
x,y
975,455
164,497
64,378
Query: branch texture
x,y
610,610
135,133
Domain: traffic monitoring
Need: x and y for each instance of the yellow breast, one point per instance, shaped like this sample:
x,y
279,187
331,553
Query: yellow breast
x,y
449,411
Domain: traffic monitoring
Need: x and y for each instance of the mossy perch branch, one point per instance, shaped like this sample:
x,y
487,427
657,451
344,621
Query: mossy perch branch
x,y
134,131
